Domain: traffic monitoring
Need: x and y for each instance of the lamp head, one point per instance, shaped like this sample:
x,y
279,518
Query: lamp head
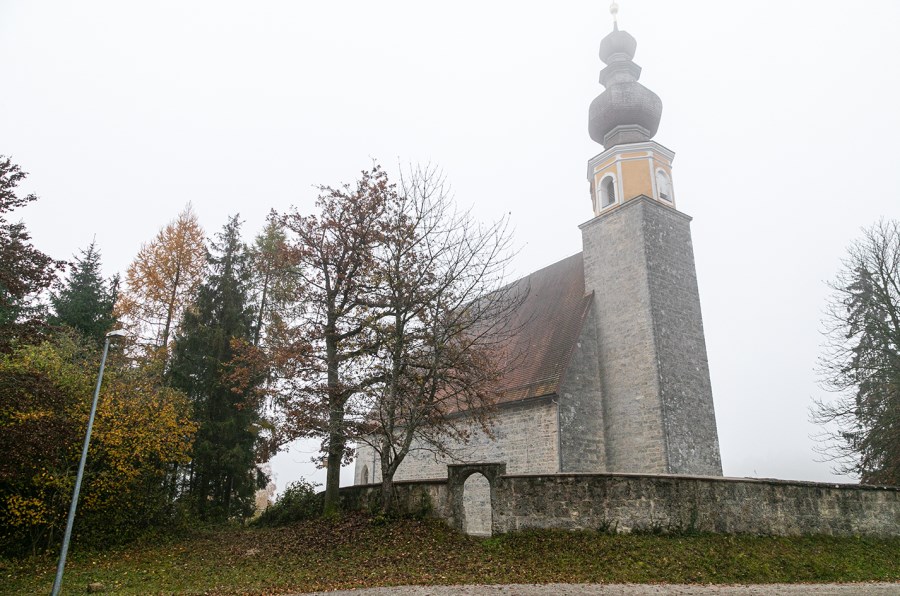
x,y
117,333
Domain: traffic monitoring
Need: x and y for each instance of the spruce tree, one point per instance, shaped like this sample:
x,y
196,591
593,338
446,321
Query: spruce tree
x,y
222,479
84,300
862,362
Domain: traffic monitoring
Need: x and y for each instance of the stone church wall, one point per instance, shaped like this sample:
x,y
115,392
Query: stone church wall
x,y
525,436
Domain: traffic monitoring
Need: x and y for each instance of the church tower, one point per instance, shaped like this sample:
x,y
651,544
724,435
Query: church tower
x,y
658,411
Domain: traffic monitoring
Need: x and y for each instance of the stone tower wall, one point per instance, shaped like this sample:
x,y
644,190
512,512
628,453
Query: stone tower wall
x,y
615,269
657,402
689,419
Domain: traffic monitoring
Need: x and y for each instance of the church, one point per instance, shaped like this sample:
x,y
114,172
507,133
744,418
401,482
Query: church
x,y
615,377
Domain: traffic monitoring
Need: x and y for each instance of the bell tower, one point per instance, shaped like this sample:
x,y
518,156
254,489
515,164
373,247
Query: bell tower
x,y
638,261
623,119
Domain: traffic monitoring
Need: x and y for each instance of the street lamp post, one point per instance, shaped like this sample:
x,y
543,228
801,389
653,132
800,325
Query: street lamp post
x,y
57,583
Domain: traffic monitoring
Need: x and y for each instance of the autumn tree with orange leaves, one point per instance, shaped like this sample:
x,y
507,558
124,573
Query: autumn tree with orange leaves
x,y
162,280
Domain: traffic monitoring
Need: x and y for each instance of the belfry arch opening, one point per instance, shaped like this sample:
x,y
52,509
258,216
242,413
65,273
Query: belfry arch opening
x,y
663,186
607,192
477,505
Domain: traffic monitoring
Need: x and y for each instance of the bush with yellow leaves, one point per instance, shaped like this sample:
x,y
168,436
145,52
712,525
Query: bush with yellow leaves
x,y
142,435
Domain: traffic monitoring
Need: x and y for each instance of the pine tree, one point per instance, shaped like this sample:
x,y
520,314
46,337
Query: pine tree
x,y
222,479
84,301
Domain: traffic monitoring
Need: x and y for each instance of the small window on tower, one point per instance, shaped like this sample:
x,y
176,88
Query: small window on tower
x,y
607,192
663,186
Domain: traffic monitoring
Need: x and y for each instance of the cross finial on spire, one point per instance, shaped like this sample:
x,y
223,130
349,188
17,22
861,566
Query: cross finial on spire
x,y
614,11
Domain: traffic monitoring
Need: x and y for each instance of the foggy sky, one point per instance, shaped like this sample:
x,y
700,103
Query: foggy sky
x,y
783,117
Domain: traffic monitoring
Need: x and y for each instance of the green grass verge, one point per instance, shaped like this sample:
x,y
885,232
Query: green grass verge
x,y
354,552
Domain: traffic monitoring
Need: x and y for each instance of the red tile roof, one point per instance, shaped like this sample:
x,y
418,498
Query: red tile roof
x,y
547,324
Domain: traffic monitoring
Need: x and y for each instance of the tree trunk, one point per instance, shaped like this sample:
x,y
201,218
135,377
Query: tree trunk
x,y
170,311
333,462
387,493
228,496
335,425
262,308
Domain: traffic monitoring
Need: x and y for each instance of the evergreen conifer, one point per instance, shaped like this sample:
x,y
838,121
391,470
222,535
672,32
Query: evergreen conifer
x,y
84,301
222,478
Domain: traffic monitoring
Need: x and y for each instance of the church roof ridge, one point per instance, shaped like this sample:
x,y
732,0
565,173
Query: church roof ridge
x,y
542,269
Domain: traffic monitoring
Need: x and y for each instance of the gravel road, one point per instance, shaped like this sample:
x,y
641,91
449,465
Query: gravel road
x,y
871,589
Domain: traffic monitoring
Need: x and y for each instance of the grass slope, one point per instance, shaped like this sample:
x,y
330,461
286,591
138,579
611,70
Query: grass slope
x,y
355,552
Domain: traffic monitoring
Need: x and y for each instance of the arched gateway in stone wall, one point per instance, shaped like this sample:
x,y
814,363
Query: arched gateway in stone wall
x,y
470,496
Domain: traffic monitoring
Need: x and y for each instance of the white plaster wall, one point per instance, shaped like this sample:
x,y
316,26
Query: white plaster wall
x,y
524,437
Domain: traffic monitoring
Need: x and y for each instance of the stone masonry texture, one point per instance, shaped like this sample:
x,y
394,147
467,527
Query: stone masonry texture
x,y
615,269
657,401
683,503
582,443
665,503
692,442
524,436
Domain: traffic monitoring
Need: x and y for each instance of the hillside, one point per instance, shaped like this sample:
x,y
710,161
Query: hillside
x,y
360,551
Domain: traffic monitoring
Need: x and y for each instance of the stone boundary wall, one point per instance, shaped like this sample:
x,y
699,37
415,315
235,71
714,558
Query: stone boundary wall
x,y
628,502
643,502
415,497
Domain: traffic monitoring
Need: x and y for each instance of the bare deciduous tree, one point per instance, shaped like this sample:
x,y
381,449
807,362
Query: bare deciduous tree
x,y
442,324
862,361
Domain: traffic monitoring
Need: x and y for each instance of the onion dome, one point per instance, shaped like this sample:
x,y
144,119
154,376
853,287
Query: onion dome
x,y
617,42
626,112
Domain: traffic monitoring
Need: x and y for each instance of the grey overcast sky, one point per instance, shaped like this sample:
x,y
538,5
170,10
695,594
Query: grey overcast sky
x,y
784,117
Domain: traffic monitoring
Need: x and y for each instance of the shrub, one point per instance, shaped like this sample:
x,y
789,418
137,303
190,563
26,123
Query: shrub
x,y
142,434
298,502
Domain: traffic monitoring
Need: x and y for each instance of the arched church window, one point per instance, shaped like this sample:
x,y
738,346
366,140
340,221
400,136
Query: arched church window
x,y
663,186
364,477
607,191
